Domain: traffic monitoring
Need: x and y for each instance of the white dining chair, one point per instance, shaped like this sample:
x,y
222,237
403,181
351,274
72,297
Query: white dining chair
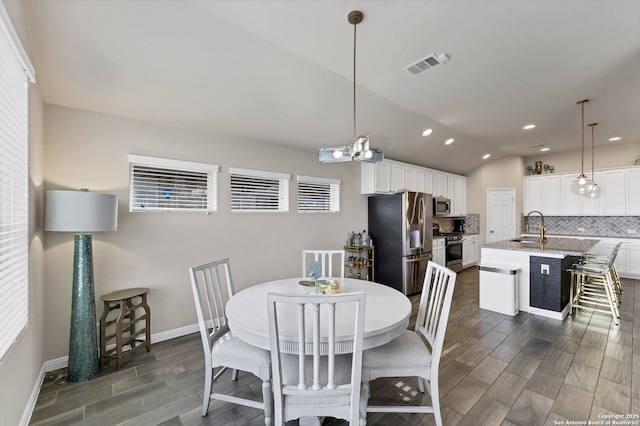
x,y
330,260
212,287
315,381
415,353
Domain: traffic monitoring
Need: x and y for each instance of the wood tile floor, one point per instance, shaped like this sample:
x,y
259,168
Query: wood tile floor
x,y
496,370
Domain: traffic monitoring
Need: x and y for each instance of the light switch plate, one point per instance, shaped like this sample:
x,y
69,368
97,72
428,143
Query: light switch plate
x,y
544,269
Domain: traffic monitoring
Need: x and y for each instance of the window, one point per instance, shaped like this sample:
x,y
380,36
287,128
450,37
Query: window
x,y
317,195
158,184
15,73
258,191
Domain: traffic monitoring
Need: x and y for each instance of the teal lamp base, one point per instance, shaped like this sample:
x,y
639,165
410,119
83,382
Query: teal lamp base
x,y
83,341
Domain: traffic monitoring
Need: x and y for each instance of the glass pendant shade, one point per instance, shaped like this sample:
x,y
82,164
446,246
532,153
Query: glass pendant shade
x,y
594,192
581,185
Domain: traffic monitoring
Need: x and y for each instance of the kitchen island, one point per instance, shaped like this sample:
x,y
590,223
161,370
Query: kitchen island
x,y
542,284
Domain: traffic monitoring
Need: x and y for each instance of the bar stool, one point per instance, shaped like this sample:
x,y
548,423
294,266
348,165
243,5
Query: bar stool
x,y
127,302
595,285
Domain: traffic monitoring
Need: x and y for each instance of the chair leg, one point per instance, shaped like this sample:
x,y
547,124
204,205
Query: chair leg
x,y
206,397
364,397
267,398
435,400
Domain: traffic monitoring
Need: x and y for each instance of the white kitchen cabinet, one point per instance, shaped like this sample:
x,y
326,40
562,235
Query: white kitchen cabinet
x,y
551,195
542,193
415,179
632,259
375,178
398,177
470,250
440,185
458,195
532,193
393,176
633,191
614,185
439,251
428,182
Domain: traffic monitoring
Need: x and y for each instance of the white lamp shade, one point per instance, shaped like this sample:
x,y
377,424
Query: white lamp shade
x,y
80,211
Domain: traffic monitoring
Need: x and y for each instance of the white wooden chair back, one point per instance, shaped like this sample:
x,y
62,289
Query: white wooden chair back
x,y
212,287
311,382
435,304
332,262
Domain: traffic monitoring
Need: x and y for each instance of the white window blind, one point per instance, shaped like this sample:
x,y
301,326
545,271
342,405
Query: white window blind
x,y
158,184
15,72
259,191
318,195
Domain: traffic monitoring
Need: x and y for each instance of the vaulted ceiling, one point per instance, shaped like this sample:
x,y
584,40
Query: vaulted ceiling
x,y
281,71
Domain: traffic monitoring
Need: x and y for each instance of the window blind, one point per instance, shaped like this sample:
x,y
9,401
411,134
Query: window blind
x,y
15,72
259,191
318,195
158,184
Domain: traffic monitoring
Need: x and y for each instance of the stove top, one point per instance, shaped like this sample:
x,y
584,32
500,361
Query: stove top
x,y
451,236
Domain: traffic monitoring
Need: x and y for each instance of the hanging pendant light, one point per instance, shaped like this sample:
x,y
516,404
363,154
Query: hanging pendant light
x,y
358,149
581,184
594,190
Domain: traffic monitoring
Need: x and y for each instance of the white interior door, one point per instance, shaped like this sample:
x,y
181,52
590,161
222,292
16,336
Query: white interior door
x,y
501,214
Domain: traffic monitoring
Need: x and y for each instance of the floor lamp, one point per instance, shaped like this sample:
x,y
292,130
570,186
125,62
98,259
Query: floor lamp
x,y
82,212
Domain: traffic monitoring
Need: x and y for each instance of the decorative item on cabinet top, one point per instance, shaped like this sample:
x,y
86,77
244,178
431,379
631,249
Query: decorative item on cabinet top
x,y
539,169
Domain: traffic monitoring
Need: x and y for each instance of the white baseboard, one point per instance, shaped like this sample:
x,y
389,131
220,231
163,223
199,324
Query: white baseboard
x,y
31,404
62,362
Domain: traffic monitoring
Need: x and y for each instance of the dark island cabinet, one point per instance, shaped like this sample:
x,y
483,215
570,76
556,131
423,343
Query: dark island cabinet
x,y
549,282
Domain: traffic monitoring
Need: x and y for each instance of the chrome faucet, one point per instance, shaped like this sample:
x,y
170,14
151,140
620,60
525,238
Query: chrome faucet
x,y
543,230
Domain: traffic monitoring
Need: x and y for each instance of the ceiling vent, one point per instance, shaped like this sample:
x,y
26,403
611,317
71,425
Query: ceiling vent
x,y
426,64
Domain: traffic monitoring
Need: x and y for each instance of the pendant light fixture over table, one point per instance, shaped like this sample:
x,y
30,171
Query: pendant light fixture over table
x,y
594,190
358,149
582,183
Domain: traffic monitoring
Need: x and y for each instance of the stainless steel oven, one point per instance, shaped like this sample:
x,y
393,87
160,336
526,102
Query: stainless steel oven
x,y
453,252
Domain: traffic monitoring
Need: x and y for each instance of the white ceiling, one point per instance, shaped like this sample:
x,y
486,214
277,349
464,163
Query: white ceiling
x,y
281,71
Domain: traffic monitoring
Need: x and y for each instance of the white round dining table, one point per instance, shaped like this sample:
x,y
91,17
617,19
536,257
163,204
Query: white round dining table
x,y
387,313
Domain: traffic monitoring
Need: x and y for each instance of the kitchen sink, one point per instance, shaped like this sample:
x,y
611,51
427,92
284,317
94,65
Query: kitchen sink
x,y
526,241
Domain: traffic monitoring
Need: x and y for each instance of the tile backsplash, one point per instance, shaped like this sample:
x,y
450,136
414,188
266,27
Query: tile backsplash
x,y
471,224
586,226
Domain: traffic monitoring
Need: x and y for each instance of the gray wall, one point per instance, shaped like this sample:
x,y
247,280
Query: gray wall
x,y
90,150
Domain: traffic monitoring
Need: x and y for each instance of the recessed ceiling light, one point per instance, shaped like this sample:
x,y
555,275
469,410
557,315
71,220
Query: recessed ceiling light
x,y
427,132
544,149
449,141
617,138
484,157
529,127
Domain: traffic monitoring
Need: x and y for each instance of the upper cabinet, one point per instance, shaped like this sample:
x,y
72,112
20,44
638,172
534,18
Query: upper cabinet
x,y
393,176
551,194
633,191
614,195
542,193
458,195
440,185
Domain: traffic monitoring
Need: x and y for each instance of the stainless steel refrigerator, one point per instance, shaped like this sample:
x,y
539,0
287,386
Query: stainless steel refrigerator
x,y
400,225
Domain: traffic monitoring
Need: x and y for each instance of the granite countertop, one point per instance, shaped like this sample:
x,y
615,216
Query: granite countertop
x,y
564,246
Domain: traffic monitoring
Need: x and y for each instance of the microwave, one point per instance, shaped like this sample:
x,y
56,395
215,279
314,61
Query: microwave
x,y
441,206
